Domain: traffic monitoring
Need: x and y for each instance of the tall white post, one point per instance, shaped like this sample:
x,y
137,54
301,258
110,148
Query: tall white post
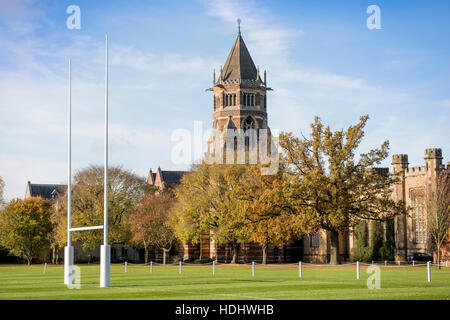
x,y
105,249
151,266
180,267
214,267
68,250
253,268
300,273
357,270
429,271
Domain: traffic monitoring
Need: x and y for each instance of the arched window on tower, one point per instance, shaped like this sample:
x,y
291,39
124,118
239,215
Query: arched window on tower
x,y
250,134
248,124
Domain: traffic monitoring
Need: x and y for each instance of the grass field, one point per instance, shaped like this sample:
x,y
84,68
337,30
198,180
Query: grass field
x,y
229,282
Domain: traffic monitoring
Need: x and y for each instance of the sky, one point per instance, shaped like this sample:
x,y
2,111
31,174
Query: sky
x,y
321,60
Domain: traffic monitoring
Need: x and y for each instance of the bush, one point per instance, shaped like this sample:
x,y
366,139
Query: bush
x,y
387,251
376,241
360,251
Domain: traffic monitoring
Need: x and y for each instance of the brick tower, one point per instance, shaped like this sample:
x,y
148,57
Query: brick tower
x,y
239,96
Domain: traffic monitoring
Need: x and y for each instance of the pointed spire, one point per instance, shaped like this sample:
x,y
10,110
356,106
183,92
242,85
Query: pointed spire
x,y
257,74
265,82
214,76
239,25
239,64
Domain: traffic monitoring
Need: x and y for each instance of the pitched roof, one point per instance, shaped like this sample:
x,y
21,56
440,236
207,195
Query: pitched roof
x,y
172,176
45,191
239,65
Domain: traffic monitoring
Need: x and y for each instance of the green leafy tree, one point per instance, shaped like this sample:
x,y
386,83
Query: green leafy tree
x,y
329,188
2,189
260,196
25,227
387,251
58,236
360,248
376,240
125,190
206,204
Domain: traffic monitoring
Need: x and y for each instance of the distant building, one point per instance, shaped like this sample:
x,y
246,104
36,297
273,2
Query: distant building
x,y
45,191
164,179
411,234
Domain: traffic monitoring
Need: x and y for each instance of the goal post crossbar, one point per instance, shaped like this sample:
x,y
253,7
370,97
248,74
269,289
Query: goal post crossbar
x,y
86,228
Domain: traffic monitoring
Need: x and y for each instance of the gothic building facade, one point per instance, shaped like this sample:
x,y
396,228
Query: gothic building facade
x,y
240,104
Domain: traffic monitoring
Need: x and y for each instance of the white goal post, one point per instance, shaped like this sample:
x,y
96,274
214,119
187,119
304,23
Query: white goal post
x,y
105,249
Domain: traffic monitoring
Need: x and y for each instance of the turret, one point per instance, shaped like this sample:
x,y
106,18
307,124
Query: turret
x,y
433,159
399,162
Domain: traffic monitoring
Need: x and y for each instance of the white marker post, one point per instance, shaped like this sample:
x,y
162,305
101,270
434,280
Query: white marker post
x,y
126,266
429,271
45,268
180,267
151,266
214,267
253,268
105,249
299,269
357,270
68,250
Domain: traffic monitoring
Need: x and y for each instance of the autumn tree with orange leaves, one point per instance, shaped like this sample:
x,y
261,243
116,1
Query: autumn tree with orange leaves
x,y
148,224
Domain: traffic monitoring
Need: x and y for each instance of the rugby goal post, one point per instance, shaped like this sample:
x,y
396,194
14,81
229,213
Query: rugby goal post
x,y
105,249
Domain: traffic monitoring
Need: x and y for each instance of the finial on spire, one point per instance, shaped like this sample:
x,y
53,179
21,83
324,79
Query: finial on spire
x,y
214,76
239,25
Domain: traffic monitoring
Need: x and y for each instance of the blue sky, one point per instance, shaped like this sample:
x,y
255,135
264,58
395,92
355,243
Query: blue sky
x,y
320,58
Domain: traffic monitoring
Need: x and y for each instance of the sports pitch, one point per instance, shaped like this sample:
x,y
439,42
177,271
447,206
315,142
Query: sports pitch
x,y
229,282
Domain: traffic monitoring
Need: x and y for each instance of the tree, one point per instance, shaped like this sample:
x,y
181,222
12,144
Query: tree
x,y
437,205
148,223
125,190
2,189
360,249
376,240
260,196
275,231
58,236
205,203
332,190
388,249
25,226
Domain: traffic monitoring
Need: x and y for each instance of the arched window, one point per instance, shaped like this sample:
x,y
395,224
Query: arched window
x,y
248,124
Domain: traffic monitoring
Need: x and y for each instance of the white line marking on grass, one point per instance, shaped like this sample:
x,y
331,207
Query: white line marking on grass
x,y
237,295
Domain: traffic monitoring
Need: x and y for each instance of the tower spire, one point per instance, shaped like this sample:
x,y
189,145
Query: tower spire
x,y
239,25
